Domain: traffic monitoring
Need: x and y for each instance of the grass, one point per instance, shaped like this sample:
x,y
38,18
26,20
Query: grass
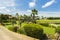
x,y
48,21
49,30
7,26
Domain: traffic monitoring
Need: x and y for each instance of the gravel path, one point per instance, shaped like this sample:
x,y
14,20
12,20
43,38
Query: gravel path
x,y
5,34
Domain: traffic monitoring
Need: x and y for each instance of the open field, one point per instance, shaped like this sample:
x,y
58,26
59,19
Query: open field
x,y
48,21
49,30
46,29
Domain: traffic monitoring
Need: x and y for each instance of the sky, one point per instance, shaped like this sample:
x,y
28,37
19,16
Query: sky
x,y
44,7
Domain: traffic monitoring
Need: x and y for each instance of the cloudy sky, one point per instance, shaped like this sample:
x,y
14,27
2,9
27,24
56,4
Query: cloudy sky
x,y
45,7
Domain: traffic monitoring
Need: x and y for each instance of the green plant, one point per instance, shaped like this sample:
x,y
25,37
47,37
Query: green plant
x,y
10,28
44,24
33,30
58,29
21,31
15,28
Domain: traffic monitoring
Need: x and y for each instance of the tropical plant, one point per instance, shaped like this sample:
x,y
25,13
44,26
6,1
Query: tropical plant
x,y
34,12
33,30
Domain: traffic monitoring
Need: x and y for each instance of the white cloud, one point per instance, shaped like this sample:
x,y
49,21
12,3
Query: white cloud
x,y
48,3
2,7
28,11
49,14
34,0
4,10
6,6
32,4
7,3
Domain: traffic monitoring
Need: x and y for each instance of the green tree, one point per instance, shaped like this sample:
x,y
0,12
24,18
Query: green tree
x,y
4,18
17,16
34,13
58,29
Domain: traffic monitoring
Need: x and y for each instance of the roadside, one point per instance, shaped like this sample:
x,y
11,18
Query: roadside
x,y
5,34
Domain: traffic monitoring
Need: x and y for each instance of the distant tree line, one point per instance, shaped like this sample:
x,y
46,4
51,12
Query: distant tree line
x,y
53,18
21,18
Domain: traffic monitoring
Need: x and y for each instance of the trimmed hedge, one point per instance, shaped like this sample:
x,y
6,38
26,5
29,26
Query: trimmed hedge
x,y
33,30
10,28
44,24
21,31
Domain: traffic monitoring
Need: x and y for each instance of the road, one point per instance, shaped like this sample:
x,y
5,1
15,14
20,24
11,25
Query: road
x,y
5,34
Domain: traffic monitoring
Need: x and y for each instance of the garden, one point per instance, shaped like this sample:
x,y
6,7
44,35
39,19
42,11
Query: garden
x,y
31,25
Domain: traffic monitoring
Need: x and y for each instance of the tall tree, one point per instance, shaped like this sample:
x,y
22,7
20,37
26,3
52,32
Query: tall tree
x,y
34,13
18,19
17,16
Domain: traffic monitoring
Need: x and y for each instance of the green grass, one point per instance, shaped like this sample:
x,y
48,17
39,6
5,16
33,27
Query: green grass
x,y
48,30
8,26
48,21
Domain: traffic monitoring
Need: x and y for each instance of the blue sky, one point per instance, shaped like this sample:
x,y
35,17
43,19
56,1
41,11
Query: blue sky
x,y
44,7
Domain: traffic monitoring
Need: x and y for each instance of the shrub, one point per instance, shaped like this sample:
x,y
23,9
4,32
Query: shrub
x,y
15,28
10,28
44,24
58,29
51,25
21,31
33,30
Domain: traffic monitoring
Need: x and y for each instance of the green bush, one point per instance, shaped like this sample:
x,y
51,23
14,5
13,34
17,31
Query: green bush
x,y
53,26
33,30
58,29
15,28
11,28
44,24
21,31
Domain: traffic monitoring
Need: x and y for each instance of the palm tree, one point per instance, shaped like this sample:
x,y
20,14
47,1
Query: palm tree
x,y
34,12
17,16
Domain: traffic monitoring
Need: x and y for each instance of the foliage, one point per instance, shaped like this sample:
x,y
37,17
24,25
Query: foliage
x,y
33,30
4,17
58,29
21,31
17,16
10,28
25,18
48,21
13,22
33,15
45,24
53,18
49,30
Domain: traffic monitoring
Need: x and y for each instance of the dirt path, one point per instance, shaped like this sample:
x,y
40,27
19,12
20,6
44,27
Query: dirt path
x,y
5,34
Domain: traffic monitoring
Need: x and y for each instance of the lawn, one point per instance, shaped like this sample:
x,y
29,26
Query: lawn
x,y
49,30
48,21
